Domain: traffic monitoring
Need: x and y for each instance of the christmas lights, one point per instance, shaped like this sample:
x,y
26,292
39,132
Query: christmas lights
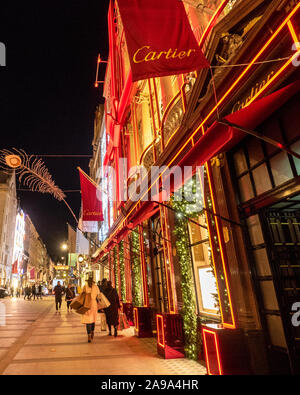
x,y
122,271
136,269
190,208
115,258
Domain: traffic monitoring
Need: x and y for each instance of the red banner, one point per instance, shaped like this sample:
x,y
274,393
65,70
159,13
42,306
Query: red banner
x,y
32,274
90,197
159,38
15,267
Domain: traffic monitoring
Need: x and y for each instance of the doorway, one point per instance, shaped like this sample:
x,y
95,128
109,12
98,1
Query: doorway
x,y
275,245
158,266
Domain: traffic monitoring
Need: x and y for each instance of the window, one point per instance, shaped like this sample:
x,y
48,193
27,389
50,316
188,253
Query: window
x,y
259,166
206,289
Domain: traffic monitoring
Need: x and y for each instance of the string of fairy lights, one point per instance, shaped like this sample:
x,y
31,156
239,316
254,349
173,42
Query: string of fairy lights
x,y
122,271
191,209
136,269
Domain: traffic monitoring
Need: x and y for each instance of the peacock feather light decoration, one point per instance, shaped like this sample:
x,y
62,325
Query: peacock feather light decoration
x,y
31,172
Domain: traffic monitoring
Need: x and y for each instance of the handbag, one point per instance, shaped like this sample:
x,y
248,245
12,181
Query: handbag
x,y
102,301
78,301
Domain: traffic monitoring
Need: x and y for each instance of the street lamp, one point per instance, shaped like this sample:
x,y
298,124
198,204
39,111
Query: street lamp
x,y
64,246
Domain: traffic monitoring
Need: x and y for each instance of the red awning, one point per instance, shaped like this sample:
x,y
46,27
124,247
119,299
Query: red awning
x,y
220,138
145,212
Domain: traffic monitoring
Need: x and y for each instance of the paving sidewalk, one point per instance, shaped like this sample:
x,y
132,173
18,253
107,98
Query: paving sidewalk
x,y
38,341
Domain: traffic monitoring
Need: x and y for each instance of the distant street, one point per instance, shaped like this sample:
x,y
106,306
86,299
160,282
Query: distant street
x,y
34,339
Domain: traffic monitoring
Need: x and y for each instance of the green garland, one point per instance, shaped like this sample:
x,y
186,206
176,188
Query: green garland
x,y
190,209
122,271
136,269
115,255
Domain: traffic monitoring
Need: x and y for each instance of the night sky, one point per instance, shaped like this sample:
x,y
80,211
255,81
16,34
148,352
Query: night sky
x,y
47,96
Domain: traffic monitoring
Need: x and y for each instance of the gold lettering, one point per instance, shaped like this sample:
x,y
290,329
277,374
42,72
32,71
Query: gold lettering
x,y
182,54
189,51
150,56
174,54
159,55
168,55
136,53
144,54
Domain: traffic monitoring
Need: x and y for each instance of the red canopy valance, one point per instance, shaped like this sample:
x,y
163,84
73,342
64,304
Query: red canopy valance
x,y
220,138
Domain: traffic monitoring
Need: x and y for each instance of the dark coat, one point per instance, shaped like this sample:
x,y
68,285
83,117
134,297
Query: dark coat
x,y
58,290
111,312
70,293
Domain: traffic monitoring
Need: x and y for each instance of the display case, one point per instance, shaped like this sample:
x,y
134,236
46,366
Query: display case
x,y
128,311
170,336
225,350
142,321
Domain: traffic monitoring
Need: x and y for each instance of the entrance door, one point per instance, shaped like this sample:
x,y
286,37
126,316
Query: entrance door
x,y
281,224
158,266
275,244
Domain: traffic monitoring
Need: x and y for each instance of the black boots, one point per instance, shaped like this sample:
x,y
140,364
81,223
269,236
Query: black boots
x,y
89,337
116,333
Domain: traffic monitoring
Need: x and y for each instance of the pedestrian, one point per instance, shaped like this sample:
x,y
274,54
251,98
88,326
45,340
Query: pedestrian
x,y
102,285
33,291
112,312
70,295
90,317
58,291
12,291
40,291
27,293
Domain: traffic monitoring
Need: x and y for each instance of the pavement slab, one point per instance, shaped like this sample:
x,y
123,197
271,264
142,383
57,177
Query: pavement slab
x,y
56,344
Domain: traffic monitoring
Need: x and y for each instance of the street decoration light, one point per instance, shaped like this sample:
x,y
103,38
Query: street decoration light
x,y
32,173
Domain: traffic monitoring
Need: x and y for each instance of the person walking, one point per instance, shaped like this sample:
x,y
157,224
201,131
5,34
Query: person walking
x,y
70,295
102,285
33,291
40,291
27,292
58,291
112,312
90,317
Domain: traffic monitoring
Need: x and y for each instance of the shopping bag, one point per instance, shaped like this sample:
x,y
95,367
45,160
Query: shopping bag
x,y
78,301
103,302
82,310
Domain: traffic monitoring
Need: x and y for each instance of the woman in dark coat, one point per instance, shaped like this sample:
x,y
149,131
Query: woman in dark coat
x,y
111,312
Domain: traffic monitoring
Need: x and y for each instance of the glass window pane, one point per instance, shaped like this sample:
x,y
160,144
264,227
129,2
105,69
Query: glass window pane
x,y
240,162
195,233
262,262
261,179
255,152
246,190
281,168
255,231
296,147
198,254
208,288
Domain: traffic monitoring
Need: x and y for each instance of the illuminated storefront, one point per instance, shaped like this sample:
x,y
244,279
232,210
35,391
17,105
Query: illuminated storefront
x,y
18,254
209,271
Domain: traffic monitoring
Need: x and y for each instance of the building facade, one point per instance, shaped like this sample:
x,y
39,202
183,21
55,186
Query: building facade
x,y
8,213
214,274
37,263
